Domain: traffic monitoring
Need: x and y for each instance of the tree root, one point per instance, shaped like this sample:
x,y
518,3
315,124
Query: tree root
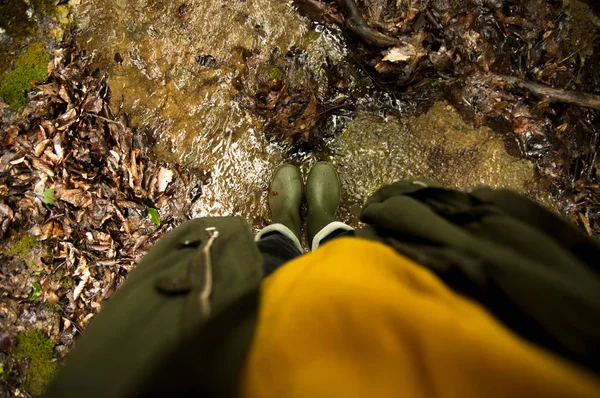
x,y
351,20
357,25
555,95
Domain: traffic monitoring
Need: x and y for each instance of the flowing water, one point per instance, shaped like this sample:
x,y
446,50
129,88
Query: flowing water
x,y
438,145
181,72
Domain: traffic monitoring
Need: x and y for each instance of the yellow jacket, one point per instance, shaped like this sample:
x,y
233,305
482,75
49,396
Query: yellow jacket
x,y
355,319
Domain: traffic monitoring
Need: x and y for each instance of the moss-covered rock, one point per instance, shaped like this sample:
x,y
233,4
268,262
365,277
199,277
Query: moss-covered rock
x,y
39,350
31,66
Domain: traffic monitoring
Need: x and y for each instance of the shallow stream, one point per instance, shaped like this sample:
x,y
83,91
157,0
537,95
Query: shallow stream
x,y
182,71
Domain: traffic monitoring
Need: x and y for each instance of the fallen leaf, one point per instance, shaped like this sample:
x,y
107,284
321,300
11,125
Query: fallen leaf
x,y
165,176
48,196
36,291
154,216
400,54
52,298
72,196
547,35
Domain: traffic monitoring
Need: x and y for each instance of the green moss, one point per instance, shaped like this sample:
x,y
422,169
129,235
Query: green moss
x,y
55,308
30,66
48,8
68,283
584,27
24,20
64,279
23,249
23,246
38,348
61,14
273,72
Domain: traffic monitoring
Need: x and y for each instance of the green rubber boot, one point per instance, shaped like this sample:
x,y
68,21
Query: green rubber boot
x,y
285,196
323,198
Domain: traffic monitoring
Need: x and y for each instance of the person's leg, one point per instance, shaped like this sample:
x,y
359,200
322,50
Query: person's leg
x,y
280,241
323,193
276,249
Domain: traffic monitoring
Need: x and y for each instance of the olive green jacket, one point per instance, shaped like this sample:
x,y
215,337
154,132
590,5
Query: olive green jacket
x,y
156,336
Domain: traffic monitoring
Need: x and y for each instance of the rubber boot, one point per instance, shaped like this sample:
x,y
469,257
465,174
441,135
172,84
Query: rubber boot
x,y
285,196
323,198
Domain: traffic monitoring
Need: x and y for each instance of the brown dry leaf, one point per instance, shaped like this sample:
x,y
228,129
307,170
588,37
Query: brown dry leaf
x,y
40,147
50,89
58,149
6,211
547,34
76,197
68,117
92,104
404,53
17,161
83,272
308,119
50,157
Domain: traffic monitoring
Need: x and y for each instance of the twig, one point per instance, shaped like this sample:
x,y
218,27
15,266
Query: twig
x,y
585,47
371,77
316,10
357,24
555,95
102,118
333,108
433,19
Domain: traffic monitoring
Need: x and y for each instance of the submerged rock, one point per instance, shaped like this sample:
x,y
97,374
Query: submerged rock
x,y
437,145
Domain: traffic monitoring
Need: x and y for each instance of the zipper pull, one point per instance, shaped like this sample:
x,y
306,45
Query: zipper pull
x,y
206,291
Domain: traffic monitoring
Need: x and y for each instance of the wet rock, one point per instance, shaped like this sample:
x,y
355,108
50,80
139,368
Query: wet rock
x,y
183,78
438,145
206,60
118,58
7,342
184,12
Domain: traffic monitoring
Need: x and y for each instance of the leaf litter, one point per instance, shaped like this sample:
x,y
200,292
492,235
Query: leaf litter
x,y
81,195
